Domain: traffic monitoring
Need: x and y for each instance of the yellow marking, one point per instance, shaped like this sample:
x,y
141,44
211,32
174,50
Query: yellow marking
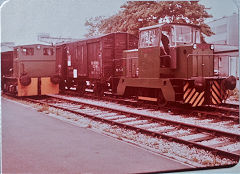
x,y
47,87
199,97
30,90
147,98
201,102
190,96
213,101
214,95
194,97
224,94
216,90
185,86
216,83
186,94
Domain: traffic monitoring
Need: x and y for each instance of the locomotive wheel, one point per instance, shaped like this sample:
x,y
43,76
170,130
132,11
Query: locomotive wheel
x,y
95,89
161,101
68,84
81,88
62,86
98,89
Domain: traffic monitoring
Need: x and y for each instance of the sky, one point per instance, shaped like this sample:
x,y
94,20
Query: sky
x,y
23,20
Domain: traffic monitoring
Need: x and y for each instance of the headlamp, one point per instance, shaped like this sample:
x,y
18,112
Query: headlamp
x,y
194,46
211,47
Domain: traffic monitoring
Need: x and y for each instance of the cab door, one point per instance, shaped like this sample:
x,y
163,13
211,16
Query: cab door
x,y
149,53
81,57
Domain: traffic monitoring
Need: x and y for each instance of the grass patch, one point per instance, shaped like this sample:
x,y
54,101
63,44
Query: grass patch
x,y
89,125
234,94
57,113
82,107
43,108
119,137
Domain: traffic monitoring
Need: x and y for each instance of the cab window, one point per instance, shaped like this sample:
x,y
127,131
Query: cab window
x,y
149,38
16,52
183,34
48,51
28,51
196,36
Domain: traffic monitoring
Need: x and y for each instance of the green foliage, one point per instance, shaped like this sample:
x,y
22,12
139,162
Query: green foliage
x,y
136,14
93,26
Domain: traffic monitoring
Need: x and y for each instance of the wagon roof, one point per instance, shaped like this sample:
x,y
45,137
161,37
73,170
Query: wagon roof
x,y
32,45
91,38
6,52
168,24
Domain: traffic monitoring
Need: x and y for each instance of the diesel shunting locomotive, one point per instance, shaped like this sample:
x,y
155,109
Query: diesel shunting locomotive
x,y
172,65
32,71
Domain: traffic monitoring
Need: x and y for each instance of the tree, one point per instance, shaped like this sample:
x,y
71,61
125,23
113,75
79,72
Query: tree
x,y
136,14
93,26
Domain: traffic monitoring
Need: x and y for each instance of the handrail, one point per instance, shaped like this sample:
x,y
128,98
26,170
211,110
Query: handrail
x,y
208,55
126,58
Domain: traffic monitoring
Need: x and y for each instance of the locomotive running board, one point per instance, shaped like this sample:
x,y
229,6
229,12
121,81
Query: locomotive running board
x,y
147,98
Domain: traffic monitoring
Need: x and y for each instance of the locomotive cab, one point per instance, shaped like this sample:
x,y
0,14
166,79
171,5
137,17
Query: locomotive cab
x,y
159,46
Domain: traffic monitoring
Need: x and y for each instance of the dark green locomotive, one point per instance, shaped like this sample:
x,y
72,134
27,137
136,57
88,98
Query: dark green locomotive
x,y
33,71
171,64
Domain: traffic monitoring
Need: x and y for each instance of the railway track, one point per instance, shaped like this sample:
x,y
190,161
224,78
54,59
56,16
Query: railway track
x,y
230,105
223,143
225,112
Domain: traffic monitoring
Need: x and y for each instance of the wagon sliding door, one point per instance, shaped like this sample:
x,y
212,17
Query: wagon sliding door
x,y
94,58
61,61
81,60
